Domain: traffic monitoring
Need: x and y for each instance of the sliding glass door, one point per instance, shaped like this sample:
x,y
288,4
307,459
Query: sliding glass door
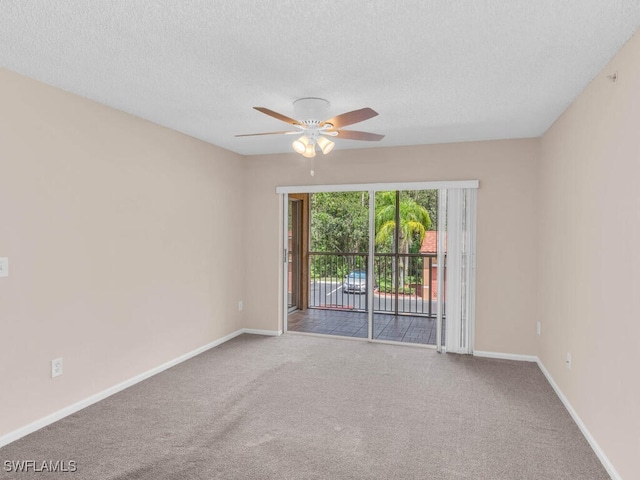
x,y
392,265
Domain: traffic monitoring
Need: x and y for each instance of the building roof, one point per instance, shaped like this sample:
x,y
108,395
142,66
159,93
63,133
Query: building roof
x,y
430,242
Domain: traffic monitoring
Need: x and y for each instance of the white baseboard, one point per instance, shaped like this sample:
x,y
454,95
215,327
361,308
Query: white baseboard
x,y
253,331
54,417
506,356
583,428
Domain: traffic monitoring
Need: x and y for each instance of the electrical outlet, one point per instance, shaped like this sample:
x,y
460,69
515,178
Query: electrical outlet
x,y
4,267
539,328
568,361
240,306
56,367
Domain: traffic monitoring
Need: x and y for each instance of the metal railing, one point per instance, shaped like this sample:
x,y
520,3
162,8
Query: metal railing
x,y
403,283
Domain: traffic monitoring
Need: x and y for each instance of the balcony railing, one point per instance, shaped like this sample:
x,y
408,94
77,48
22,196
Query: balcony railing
x,y
403,283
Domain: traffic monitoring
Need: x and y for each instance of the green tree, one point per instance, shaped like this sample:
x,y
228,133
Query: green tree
x,y
340,222
414,221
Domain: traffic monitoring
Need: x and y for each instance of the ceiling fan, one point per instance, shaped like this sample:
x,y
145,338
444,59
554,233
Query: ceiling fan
x,y
315,131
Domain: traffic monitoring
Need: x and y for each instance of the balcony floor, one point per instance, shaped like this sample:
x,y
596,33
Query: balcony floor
x,y
406,329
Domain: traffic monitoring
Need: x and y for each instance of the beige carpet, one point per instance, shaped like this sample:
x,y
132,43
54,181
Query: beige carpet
x,y
300,407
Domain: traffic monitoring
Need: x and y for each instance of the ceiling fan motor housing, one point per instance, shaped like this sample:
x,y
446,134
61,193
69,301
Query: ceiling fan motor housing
x,y
311,109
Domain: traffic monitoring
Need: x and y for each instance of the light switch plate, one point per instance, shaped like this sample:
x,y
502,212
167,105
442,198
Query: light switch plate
x,y
4,267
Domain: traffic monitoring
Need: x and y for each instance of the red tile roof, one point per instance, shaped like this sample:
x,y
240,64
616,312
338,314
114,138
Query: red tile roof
x,y
430,242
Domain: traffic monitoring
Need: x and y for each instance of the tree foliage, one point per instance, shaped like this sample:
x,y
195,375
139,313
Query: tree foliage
x,y
414,221
340,220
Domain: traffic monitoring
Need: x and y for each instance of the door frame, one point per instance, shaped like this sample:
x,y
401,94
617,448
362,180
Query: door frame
x,y
303,246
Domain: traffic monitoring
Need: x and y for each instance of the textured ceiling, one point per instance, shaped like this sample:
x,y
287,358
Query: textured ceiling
x,y
435,70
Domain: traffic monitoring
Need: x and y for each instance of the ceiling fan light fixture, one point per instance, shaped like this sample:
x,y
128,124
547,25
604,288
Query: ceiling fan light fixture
x,y
300,145
325,145
310,151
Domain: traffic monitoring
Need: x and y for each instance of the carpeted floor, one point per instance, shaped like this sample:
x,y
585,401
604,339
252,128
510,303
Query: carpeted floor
x,y
302,407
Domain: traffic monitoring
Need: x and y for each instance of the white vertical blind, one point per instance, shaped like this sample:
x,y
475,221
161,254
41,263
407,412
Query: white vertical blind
x,y
460,274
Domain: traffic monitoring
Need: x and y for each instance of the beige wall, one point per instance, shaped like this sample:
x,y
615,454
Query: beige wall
x,y
122,239
590,257
506,263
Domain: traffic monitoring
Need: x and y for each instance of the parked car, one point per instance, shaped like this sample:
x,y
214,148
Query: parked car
x,y
356,282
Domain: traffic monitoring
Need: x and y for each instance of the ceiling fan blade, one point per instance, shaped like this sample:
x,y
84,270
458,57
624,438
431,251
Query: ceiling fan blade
x,y
350,118
279,116
267,133
354,135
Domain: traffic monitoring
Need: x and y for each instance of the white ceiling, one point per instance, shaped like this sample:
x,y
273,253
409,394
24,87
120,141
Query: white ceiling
x,y
435,70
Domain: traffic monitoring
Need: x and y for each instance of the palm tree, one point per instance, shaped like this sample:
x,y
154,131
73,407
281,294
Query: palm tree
x,y
414,221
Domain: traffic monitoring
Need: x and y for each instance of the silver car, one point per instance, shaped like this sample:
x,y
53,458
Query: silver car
x,y
356,282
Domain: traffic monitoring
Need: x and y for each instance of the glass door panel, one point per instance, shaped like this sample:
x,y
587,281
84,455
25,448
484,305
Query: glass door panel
x,y
405,266
337,266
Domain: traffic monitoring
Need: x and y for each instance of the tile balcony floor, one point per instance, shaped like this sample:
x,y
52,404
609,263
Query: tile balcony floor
x,y
401,328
